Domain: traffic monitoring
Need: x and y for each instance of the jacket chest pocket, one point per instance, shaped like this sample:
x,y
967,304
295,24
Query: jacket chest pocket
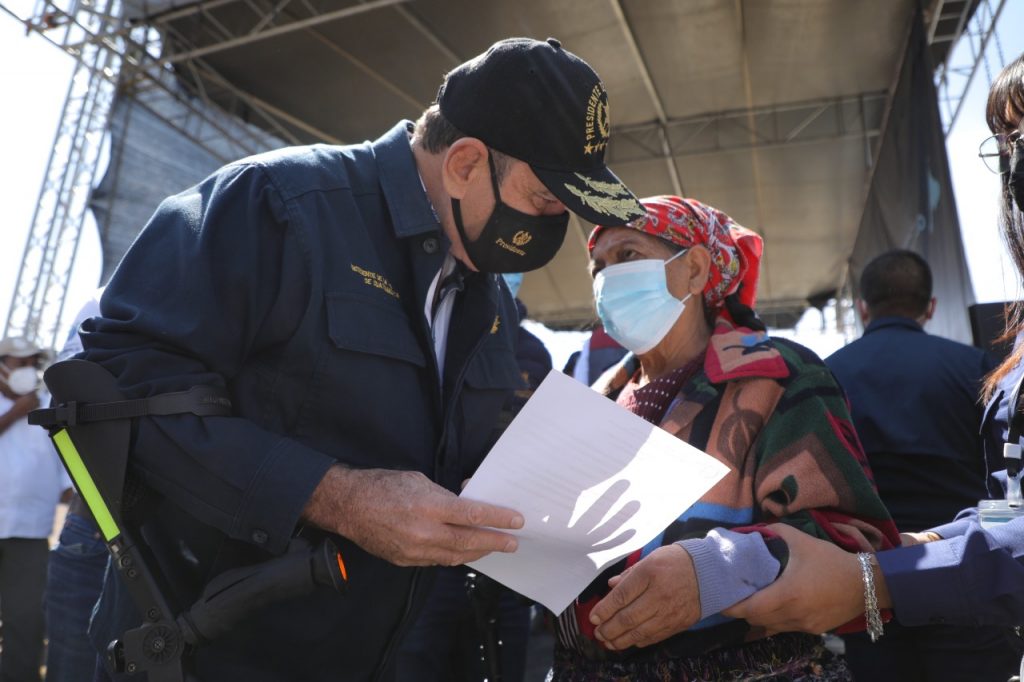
x,y
367,325
485,407
372,400
494,369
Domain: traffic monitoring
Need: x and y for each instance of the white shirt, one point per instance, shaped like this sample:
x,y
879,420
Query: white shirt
x,y
31,479
73,344
440,316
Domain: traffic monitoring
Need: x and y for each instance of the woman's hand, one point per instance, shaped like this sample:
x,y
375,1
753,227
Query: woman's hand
x,y
910,539
650,601
820,589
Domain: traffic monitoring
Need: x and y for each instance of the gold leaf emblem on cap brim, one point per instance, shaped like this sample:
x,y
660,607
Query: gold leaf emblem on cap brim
x,y
621,208
615,189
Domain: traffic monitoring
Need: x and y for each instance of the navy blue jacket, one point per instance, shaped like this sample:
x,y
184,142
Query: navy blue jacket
x,y
534,361
915,405
297,279
973,576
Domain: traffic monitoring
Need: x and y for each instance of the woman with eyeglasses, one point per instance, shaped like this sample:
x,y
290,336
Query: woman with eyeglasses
x,y
958,573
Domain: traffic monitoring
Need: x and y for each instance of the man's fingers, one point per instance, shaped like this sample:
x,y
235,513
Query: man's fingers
x,y
466,539
452,546
462,512
404,518
455,545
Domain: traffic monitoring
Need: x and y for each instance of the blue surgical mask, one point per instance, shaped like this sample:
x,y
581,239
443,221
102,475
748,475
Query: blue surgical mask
x,y
514,280
634,303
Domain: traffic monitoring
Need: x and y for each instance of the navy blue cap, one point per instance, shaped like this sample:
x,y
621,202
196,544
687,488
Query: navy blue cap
x,y
541,104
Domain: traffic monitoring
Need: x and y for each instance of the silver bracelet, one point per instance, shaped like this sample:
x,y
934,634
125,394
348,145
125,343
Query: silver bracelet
x,y
871,614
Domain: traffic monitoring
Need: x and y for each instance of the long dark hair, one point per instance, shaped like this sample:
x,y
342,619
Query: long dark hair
x,y
1005,114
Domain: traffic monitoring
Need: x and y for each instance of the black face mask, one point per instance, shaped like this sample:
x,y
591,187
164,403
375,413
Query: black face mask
x,y
512,241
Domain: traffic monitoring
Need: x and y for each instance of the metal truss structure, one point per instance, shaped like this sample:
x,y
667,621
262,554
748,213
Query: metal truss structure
x,y
61,207
119,56
841,118
968,33
113,58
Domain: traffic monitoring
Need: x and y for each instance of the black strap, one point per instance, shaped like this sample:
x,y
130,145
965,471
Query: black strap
x,y
454,281
1014,416
202,401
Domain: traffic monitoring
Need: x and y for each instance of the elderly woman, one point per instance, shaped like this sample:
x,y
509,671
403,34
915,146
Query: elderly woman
x,y
678,291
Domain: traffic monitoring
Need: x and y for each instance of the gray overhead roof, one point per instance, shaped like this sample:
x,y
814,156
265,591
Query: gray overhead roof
x,y
770,111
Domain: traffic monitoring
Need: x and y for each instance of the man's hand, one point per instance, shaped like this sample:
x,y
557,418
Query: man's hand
x,y
25,404
404,518
21,406
820,589
650,601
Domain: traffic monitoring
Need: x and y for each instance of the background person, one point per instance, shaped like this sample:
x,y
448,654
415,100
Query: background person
x,y
32,481
678,291
914,397
344,297
74,573
599,352
958,573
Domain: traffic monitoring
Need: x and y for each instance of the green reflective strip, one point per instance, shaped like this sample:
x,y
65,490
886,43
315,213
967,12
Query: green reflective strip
x,y
86,486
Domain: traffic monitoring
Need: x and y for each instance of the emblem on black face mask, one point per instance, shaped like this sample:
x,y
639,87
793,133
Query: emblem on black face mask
x,y
521,238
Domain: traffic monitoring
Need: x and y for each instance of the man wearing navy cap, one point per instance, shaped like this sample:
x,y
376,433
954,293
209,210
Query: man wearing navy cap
x,y
348,300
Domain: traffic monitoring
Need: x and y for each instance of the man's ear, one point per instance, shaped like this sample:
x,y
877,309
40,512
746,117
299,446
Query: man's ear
x,y
699,262
464,160
930,310
862,310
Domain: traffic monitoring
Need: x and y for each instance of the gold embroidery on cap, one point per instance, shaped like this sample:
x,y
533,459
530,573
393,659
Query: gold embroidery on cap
x,y
521,238
622,208
615,189
496,324
597,127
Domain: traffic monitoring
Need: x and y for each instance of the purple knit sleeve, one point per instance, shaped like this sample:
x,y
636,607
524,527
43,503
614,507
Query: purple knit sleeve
x,y
730,567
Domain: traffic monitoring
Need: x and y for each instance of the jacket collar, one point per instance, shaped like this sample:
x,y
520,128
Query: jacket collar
x,y
411,212
741,353
883,322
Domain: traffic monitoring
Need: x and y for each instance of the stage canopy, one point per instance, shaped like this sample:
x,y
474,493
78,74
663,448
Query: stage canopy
x,y
770,111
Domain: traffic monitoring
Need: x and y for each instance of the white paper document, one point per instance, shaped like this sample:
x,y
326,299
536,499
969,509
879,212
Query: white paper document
x,y
593,481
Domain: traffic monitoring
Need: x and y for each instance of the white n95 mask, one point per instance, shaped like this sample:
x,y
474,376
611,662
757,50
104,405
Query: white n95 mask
x,y
22,380
634,303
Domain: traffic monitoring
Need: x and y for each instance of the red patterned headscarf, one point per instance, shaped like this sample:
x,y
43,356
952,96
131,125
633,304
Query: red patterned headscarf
x,y
735,250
